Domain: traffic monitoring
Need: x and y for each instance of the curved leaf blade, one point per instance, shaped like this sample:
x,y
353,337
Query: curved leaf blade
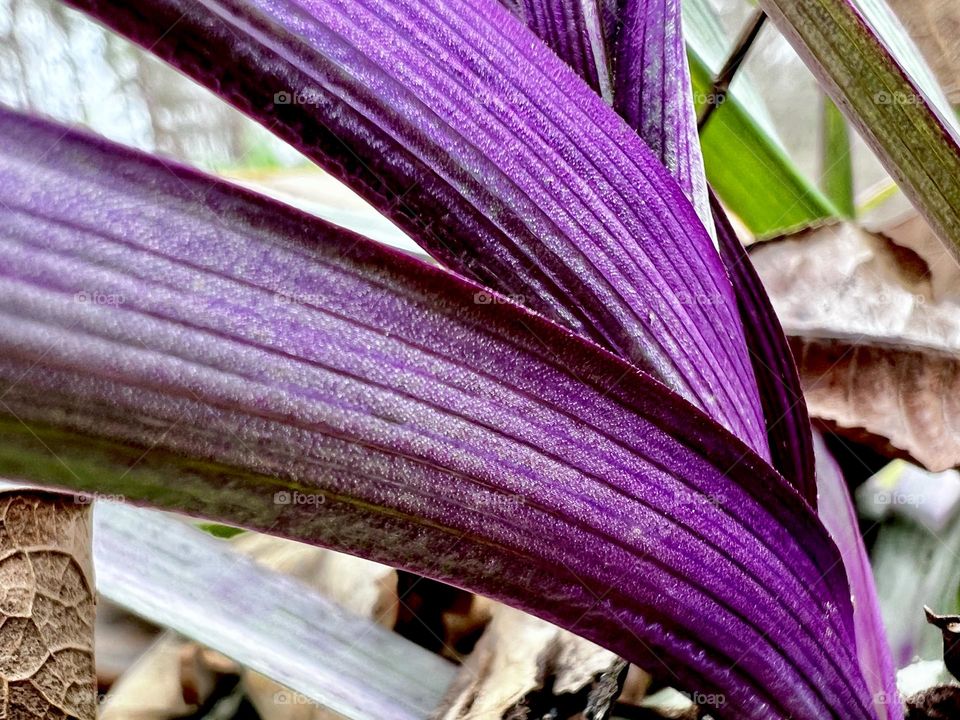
x,y
578,31
653,93
177,341
453,120
836,165
784,407
840,518
865,62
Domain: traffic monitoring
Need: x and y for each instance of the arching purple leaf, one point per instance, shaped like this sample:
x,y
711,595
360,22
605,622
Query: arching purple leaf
x,y
785,410
182,343
652,92
579,31
457,123
840,518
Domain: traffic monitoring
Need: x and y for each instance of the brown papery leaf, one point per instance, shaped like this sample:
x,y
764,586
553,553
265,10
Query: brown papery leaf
x,y
877,346
523,667
120,638
47,607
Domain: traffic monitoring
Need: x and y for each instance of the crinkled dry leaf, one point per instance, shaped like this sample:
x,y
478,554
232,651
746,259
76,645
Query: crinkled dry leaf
x,y
46,607
898,220
903,402
526,668
464,620
935,26
878,352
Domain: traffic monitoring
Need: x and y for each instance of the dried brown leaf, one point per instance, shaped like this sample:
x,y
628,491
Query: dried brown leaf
x,y
46,607
877,347
523,667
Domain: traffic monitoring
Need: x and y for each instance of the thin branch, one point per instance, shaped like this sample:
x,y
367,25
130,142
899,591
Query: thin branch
x,y
721,84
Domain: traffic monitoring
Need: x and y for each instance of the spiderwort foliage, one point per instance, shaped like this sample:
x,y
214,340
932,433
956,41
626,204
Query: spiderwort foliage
x,y
589,412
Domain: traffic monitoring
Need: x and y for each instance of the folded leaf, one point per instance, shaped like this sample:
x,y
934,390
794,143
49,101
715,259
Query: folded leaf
x,y
153,683
653,92
453,120
785,410
523,666
579,31
840,518
183,343
865,61
179,577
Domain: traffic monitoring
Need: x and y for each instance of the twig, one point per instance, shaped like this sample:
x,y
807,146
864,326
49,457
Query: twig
x,y
721,85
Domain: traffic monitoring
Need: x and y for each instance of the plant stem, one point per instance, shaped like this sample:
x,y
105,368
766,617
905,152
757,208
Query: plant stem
x,y
721,85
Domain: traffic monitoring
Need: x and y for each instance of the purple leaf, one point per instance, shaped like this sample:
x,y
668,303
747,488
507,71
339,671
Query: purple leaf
x,y
180,342
453,120
837,513
652,92
788,425
579,31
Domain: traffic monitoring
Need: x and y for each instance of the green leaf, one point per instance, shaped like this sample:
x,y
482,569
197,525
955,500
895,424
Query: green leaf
x,y
224,532
836,168
745,161
867,64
